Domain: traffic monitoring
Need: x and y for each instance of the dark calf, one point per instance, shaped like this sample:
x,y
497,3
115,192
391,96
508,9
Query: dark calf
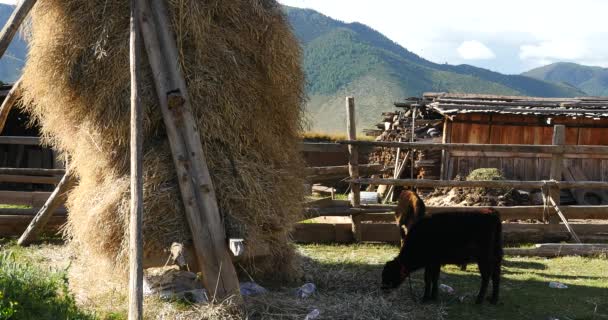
x,y
450,238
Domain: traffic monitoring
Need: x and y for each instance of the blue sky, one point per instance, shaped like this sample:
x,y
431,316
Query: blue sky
x,y
506,36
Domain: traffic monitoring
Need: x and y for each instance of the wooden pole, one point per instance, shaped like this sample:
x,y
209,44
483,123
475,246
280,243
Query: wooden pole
x,y
564,220
56,199
9,102
559,139
412,152
136,271
353,166
445,155
13,23
198,195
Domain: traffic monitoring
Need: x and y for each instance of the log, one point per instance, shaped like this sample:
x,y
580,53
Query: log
x,y
56,199
322,147
32,171
198,195
28,141
31,213
13,23
353,165
9,102
136,271
341,212
32,199
525,148
29,179
424,183
314,174
552,250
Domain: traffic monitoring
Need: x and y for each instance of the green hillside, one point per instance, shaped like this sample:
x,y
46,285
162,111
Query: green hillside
x,y
14,58
592,80
352,59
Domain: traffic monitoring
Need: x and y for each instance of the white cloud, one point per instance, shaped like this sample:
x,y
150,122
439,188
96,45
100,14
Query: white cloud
x,y
554,49
475,50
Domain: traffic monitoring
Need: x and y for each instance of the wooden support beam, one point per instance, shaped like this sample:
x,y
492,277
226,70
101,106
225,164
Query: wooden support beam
x,y
136,243
32,171
27,141
525,148
13,23
553,202
322,147
56,199
29,179
31,213
198,195
9,102
424,183
353,165
557,162
314,174
552,250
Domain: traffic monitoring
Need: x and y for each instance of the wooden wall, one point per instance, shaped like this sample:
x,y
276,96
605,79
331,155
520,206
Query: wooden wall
x,y
524,129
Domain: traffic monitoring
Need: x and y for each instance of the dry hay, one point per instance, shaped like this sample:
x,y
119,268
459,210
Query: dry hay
x,y
242,66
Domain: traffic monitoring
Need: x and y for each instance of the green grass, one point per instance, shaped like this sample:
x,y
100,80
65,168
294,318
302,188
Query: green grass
x,y
13,206
348,282
28,292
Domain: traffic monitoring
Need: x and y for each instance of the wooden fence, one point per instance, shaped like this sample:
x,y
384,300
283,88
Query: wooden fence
x,y
374,231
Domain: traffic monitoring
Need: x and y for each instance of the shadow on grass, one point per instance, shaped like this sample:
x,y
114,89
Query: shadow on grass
x,y
349,288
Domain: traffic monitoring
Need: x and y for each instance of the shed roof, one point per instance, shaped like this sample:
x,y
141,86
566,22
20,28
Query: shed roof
x,y
450,104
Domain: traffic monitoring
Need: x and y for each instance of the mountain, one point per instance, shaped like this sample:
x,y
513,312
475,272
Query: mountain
x,y
342,59
14,58
592,80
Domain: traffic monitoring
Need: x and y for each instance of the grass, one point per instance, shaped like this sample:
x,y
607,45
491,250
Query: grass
x,y
14,206
28,292
348,279
319,136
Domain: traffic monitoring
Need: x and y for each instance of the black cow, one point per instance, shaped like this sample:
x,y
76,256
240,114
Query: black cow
x,y
450,238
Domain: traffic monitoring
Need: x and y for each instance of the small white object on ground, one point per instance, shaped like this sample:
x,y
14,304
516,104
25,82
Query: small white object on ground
x,y
557,285
237,246
306,290
251,289
446,288
313,314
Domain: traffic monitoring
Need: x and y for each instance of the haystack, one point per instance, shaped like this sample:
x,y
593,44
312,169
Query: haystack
x,y
242,66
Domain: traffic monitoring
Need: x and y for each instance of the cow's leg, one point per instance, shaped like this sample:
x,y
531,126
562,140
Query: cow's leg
x,y
435,274
495,282
486,271
428,280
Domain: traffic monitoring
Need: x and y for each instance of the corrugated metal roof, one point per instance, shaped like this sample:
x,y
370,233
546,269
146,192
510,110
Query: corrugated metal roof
x,y
449,104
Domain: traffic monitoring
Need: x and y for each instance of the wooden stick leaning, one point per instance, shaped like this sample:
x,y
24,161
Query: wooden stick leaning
x,y
13,23
198,195
9,102
56,199
564,220
136,273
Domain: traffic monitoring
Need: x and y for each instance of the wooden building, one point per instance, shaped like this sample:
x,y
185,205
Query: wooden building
x,y
490,119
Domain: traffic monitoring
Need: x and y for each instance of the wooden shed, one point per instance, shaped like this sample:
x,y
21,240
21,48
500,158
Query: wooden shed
x,y
491,119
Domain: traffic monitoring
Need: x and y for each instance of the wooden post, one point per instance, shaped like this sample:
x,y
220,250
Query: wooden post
x,y
559,138
56,199
353,166
196,187
9,102
13,23
445,155
136,271
412,153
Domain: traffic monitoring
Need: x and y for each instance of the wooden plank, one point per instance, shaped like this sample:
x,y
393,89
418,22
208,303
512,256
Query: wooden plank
x,y
9,102
557,162
13,23
136,243
198,195
322,147
33,199
29,179
498,154
28,212
32,171
353,165
445,155
553,149
319,173
28,141
423,183
57,198
13,225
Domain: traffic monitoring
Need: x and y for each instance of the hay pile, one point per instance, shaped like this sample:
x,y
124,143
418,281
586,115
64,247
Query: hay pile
x,y
242,66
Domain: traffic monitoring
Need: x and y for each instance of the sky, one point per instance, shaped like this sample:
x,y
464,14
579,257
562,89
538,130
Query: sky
x,y
506,36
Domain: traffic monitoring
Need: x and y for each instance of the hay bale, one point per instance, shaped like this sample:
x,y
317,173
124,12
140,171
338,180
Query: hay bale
x,y
242,66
